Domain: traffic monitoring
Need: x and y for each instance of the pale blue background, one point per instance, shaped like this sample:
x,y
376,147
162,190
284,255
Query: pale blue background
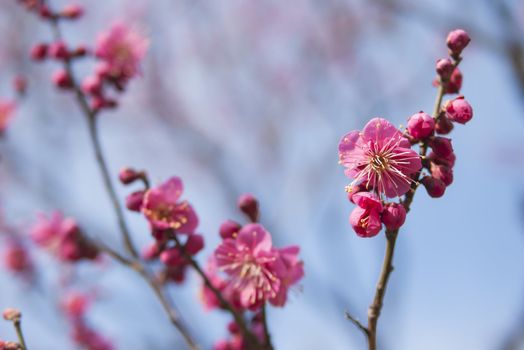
x,y
211,108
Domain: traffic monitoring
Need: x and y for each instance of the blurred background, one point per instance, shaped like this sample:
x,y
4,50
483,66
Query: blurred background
x,y
253,96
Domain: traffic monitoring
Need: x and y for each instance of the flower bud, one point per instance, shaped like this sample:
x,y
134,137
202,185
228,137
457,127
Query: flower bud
x,y
353,189
58,50
45,12
171,257
194,244
39,52
442,172
134,201
459,110
233,327
151,252
393,216
62,80
92,85
72,11
444,68
248,204
434,187
11,345
128,175
455,82
229,229
449,161
443,125
11,314
421,125
457,40
441,146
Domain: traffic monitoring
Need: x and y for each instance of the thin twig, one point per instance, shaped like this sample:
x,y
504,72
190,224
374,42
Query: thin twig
x,y
357,323
267,336
18,328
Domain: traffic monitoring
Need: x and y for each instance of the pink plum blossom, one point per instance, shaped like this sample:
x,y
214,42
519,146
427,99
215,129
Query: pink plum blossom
x,y
289,270
163,209
249,262
122,48
365,218
379,156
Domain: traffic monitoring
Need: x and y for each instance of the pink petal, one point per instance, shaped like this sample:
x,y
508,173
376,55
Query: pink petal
x,y
255,237
379,129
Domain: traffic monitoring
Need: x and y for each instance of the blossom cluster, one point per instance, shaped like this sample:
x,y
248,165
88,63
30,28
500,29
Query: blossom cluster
x,y
382,163
118,50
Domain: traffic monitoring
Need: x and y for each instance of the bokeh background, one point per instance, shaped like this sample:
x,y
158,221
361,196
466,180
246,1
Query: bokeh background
x,y
252,96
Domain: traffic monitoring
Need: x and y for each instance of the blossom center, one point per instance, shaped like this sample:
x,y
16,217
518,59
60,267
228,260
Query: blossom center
x,y
379,163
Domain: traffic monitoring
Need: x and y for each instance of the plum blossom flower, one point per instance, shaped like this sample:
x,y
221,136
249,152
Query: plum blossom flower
x,y
164,211
7,109
379,156
249,262
289,270
122,48
63,237
365,218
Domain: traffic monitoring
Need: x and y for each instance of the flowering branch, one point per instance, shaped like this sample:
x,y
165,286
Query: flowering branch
x,y
380,161
67,80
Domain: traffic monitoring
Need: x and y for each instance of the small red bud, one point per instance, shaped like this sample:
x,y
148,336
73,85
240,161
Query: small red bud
x,y
434,187
248,204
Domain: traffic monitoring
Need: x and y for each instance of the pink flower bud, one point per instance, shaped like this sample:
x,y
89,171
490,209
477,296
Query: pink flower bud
x,y
45,12
421,125
442,172
457,40
459,110
11,314
354,189
92,85
443,125
72,11
393,216
449,161
134,201
39,52
248,204
151,252
229,229
128,175
444,68
441,146
80,51
194,244
62,80
434,187
171,257
11,345
58,50
455,82
233,327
